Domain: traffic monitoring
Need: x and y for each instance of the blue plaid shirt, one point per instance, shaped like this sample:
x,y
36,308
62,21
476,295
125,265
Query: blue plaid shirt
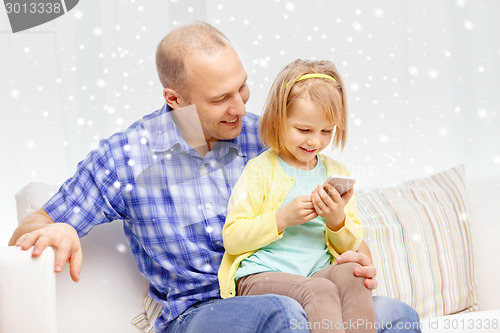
x,y
172,200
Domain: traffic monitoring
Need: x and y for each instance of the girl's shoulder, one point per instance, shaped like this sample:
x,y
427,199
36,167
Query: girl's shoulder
x,y
264,165
266,157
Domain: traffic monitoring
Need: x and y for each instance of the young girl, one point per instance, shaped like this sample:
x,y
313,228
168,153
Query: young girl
x,y
284,229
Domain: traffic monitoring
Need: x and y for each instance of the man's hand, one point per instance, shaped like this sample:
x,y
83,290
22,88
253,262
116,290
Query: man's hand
x,y
366,270
39,231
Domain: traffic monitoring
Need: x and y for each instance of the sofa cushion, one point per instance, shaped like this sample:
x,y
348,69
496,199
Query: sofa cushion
x,y
419,236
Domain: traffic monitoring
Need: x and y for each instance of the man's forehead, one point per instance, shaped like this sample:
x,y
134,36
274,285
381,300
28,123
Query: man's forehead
x,y
216,75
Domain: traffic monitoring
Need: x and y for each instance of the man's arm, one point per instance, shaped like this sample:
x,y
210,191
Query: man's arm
x,y
364,258
39,231
363,249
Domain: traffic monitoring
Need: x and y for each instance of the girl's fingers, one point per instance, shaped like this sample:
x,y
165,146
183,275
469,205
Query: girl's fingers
x,y
317,208
323,199
311,216
334,194
348,195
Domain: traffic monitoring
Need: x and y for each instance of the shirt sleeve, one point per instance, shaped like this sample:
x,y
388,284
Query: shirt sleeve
x,y
92,196
249,226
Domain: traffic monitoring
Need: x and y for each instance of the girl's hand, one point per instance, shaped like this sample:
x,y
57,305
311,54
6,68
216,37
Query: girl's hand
x,y
331,207
297,212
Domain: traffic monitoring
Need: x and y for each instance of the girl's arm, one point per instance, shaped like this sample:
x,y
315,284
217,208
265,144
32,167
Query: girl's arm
x,y
344,231
350,236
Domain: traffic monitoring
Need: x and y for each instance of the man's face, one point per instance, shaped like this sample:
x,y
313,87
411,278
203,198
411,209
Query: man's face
x,y
218,88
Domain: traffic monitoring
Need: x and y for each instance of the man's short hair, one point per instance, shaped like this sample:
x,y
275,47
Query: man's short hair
x,y
181,43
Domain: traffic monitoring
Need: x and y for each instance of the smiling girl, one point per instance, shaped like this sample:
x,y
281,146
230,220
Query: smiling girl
x,y
284,228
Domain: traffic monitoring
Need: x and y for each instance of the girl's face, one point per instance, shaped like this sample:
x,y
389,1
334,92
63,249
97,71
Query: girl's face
x,y
308,132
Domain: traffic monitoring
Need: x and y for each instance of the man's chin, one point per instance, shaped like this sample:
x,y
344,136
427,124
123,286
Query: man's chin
x,y
231,134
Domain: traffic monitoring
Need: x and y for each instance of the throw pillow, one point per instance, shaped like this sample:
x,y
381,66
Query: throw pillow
x,y
419,236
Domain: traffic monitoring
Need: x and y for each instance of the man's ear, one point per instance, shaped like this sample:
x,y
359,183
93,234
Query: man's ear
x,y
173,98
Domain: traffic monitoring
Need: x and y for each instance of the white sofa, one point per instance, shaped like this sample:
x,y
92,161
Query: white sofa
x,y
111,290
108,296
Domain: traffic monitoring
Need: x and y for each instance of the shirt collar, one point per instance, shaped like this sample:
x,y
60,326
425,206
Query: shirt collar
x,y
226,145
168,135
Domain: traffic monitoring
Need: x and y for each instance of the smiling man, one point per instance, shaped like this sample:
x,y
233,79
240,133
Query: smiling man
x,y
169,178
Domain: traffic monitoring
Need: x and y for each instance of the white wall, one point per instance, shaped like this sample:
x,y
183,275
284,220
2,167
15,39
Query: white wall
x,y
422,80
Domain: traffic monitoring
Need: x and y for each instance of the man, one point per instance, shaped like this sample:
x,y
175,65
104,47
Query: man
x,y
169,177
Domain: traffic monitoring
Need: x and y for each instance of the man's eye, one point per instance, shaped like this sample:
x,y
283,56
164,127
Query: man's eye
x,y
219,101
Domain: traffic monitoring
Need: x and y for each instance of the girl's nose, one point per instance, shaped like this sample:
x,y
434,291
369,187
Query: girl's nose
x,y
313,141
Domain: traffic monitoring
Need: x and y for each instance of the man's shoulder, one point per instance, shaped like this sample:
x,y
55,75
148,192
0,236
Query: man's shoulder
x,y
151,120
143,127
250,123
248,140
251,118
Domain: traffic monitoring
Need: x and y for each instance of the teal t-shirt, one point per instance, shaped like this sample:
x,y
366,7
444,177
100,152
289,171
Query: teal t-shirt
x,y
302,249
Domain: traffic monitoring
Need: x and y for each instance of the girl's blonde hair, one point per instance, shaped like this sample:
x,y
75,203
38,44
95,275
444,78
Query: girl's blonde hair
x,y
327,94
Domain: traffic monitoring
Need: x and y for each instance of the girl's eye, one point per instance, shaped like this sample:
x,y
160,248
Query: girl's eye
x,y
327,131
302,130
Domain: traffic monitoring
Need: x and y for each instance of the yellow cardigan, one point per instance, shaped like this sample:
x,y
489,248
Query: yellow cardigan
x,y
251,221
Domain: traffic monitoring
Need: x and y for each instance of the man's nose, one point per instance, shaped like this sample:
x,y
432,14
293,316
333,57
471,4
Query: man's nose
x,y
237,107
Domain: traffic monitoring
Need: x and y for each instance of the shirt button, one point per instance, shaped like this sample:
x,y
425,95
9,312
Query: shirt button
x,y
208,206
203,170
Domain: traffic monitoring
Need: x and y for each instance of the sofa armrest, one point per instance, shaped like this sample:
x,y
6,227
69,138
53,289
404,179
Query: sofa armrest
x,y
485,228
111,289
32,197
27,291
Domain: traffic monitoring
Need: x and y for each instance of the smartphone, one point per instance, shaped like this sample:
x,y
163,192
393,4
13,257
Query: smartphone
x,y
341,183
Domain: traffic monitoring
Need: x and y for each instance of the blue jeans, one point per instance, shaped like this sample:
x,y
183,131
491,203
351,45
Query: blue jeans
x,y
275,313
394,316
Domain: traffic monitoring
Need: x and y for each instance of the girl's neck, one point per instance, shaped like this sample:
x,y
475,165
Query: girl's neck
x,y
295,163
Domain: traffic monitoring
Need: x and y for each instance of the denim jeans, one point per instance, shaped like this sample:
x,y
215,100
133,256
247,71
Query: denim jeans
x,y
260,313
394,316
275,313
